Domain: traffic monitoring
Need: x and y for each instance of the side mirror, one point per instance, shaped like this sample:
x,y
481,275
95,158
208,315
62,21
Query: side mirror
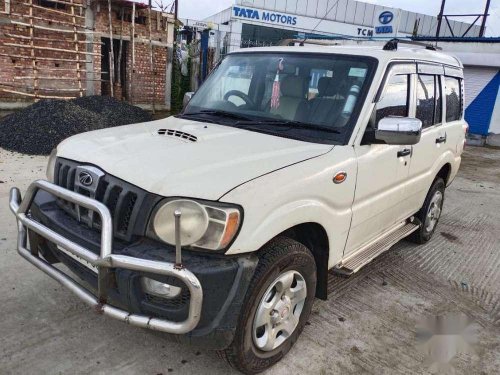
x,y
399,130
187,98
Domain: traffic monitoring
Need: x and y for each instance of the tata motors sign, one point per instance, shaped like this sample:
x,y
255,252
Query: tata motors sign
x,y
299,23
265,16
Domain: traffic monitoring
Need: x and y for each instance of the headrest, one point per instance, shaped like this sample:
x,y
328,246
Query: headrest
x,y
292,86
327,87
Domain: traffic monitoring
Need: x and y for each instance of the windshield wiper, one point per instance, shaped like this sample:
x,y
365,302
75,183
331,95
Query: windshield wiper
x,y
303,125
220,113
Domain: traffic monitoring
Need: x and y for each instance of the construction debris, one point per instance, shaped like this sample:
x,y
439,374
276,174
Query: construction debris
x,y
39,128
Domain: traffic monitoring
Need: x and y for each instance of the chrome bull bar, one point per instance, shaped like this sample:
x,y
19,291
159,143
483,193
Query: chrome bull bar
x,y
103,262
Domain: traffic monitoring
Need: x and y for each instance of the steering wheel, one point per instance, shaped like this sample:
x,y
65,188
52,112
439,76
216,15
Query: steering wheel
x,y
248,101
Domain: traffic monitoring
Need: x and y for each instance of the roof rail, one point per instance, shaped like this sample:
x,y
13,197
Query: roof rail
x,y
392,45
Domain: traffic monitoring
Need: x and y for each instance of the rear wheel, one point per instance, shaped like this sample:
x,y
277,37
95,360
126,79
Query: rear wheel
x,y
276,308
430,213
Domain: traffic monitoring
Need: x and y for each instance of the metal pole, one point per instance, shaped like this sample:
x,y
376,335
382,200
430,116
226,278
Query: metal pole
x,y
440,18
178,247
485,17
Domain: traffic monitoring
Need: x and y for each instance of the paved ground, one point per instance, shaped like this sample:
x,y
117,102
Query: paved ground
x,y
367,326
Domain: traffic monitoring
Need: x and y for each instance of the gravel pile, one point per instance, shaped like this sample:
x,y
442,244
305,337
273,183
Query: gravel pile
x,y
37,129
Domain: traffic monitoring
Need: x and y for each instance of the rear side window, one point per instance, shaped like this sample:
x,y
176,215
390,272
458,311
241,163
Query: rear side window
x,y
429,101
394,101
453,94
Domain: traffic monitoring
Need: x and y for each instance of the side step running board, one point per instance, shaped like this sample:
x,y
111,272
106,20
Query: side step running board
x,y
369,252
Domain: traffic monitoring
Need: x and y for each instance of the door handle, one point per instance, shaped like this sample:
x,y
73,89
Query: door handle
x,y
441,139
404,152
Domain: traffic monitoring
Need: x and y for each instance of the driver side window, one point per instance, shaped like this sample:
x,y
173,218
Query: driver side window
x,y
395,99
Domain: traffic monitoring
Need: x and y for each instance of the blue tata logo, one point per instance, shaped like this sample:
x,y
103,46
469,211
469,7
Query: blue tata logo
x,y
386,17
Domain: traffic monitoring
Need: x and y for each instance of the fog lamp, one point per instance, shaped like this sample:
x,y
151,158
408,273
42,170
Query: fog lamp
x,y
159,289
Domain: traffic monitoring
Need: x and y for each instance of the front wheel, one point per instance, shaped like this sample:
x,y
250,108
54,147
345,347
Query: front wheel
x,y
430,213
276,308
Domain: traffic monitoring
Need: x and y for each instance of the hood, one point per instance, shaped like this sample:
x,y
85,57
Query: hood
x,y
177,157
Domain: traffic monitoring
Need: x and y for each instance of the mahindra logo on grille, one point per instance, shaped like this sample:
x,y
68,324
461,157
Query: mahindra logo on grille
x,y
85,178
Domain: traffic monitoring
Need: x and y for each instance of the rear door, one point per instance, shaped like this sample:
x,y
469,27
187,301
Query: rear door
x,y
425,154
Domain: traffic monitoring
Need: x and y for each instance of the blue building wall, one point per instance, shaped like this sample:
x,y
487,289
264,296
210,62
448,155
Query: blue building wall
x,y
479,112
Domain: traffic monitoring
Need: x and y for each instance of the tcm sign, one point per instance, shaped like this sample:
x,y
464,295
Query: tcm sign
x,y
365,32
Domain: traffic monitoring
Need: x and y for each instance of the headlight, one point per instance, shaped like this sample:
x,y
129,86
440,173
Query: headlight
x,y
51,166
203,225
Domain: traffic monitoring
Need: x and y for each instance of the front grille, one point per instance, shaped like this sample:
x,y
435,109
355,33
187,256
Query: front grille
x,y
126,202
175,303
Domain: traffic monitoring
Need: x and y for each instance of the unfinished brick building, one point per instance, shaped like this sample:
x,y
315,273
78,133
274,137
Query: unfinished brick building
x,y
62,49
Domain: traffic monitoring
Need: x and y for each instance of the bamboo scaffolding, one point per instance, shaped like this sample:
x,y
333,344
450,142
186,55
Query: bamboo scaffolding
x,y
18,78
132,71
151,58
50,10
42,68
50,49
38,58
51,28
37,96
111,51
64,3
43,19
77,50
50,39
120,50
32,52
50,89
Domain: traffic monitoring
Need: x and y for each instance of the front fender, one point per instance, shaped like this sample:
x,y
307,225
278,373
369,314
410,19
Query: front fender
x,y
302,193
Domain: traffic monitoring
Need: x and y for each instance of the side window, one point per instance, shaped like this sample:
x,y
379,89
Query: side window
x,y
453,95
394,101
426,99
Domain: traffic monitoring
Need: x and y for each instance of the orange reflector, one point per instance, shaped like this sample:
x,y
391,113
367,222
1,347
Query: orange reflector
x,y
233,223
340,177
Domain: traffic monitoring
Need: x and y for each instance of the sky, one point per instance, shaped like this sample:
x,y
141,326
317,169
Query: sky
x,y
200,9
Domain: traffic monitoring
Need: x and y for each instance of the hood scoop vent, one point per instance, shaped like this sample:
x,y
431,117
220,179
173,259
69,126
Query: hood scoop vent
x,y
177,134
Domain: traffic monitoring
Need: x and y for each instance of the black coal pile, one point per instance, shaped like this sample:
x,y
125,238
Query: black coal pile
x,y
115,112
37,129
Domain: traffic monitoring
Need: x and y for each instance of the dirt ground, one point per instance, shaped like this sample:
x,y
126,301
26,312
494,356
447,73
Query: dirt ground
x,y
368,325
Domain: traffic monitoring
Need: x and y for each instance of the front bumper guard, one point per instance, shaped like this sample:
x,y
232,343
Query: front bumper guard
x,y
103,262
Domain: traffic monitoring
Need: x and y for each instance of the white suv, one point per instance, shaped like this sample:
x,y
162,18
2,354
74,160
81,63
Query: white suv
x,y
220,225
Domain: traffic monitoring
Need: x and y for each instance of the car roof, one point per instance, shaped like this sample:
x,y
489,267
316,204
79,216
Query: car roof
x,y
402,53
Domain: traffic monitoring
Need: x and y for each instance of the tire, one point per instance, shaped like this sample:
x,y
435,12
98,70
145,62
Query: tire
x,y
281,259
433,206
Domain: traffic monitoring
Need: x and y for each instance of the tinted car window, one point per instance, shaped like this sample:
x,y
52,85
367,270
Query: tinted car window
x,y
453,99
394,101
426,99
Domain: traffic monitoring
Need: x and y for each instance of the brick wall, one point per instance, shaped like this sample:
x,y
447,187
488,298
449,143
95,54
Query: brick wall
x,y
57,77
17,74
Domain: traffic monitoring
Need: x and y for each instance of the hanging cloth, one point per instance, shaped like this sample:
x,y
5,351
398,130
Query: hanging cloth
x,y
275,96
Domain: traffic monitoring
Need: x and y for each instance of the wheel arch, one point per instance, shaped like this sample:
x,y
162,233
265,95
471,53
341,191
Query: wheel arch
x,y
445,173
315,237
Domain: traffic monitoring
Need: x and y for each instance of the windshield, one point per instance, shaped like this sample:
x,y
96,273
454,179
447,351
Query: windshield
x,y
313,97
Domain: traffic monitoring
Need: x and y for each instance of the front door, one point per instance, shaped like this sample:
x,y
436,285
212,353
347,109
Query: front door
x,y
382,169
